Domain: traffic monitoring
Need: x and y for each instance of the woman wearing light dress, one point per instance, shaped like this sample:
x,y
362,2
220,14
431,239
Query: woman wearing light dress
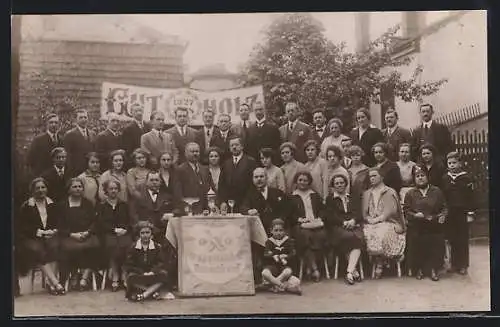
x,y
334,167
115,173
214,155
406,167
275,176
316,165
290,166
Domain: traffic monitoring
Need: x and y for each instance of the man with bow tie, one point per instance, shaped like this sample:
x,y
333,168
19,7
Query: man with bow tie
x,y
154,205
320,132
295,131
39,159
131,134
181,132
78,142
193,180
262,134
108,140
267,202
432,132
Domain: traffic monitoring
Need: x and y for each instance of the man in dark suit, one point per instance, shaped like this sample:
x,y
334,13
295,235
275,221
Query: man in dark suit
x,y
181,132
236,174
226,134
208,136
394,135
78,142
320,130
39,159
153,205
267,202
131,134
295,131
241,129
57,176
192,179
366,135
432,132
262,134
108,140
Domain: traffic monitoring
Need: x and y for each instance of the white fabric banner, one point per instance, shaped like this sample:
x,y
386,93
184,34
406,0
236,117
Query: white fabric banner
x,y
119,98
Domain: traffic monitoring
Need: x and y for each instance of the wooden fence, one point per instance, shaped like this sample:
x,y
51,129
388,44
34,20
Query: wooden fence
x,y
474,148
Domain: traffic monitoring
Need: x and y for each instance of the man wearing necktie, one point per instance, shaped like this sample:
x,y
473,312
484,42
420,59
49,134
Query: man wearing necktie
x,y
57,176
236,174
131,134
78,142
181,132
156,142
208,136
295,131
39,159
394,135
108,140
262,134
432,132
193,180
241,129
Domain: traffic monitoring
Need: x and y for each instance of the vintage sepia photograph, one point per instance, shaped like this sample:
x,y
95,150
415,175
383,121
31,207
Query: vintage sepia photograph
x,y
250,163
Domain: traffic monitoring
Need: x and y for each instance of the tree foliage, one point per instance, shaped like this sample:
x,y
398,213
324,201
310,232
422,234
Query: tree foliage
x,y
297,62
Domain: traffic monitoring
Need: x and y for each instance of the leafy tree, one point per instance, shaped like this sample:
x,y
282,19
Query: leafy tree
x,y
297,62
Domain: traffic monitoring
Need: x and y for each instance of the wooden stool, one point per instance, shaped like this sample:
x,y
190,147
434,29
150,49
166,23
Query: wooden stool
x,y
336,272
34,271
325,261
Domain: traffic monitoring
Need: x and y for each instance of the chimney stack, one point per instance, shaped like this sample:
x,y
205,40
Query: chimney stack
x,y
413,23
362,28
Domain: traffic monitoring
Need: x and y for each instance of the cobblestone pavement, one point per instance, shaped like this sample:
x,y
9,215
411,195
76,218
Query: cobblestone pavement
x,y
391,294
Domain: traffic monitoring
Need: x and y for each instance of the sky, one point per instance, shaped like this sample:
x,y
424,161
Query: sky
x,y
229,38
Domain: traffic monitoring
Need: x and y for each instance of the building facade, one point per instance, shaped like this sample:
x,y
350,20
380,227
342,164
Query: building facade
x,y
451,45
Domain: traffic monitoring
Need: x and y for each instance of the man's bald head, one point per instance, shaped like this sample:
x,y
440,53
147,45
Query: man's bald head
x,y
260,177
192,152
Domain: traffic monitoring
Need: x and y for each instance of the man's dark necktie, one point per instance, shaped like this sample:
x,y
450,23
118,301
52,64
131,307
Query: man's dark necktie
x,y
426,131
160,136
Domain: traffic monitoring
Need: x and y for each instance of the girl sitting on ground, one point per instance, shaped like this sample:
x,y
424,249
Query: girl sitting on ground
x,y
278,257
145,267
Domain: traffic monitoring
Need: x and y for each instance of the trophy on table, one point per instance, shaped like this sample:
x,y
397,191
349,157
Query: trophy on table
x,y
211,199
190,201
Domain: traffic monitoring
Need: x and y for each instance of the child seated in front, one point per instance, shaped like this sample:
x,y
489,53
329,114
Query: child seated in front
x,y
278,255
145,266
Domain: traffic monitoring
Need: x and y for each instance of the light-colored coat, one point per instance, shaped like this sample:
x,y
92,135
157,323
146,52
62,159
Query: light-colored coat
x,y
155,146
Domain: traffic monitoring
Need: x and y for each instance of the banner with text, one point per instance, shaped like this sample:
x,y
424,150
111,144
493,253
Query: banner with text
x,y
118,98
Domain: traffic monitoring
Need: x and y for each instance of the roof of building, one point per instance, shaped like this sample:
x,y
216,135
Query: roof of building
x,y
217,70
93,28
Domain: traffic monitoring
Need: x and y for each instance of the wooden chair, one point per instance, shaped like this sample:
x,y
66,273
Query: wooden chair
x,y
325,261
92,276
398,267
360,266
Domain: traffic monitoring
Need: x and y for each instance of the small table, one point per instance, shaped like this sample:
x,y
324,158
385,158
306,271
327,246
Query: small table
x,y
257,232
215,256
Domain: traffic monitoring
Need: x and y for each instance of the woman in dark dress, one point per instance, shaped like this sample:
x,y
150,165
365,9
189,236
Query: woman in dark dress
x,y
167,173
114,226
366,135
80,246
426,211
57,176
38,228
145,266
434,169
343,223
388,169
305,222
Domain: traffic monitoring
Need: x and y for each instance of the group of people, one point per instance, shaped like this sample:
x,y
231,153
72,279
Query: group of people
x,y
105,200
